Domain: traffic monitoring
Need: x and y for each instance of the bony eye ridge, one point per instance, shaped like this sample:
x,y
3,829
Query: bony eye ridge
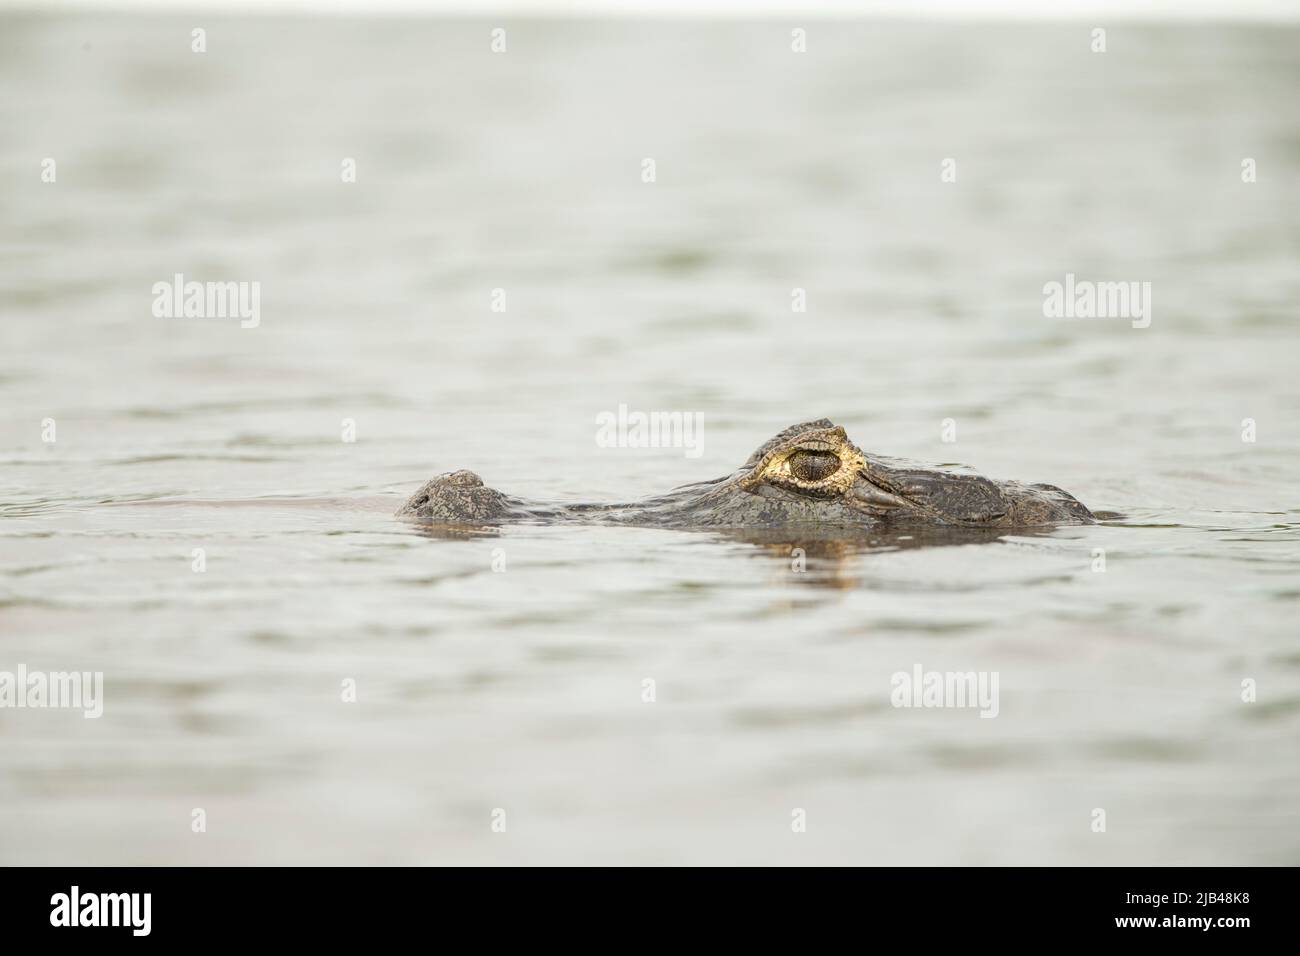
x,y
813,465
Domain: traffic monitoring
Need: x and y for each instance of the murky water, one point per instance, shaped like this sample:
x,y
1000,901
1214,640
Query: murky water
x,y
522,690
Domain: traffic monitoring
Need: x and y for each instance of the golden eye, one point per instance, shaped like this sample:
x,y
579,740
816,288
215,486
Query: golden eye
x,y
813,465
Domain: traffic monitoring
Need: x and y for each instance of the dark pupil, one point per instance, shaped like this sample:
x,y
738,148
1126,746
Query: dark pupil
x,y
814,465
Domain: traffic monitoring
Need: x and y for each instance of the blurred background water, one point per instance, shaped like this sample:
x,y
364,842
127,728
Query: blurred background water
x,y
522,690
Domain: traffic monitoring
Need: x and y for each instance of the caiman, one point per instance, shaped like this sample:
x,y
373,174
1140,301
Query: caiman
x,y
809,475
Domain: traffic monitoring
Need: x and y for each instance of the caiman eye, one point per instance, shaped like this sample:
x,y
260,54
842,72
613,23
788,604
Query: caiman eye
x,y
814,465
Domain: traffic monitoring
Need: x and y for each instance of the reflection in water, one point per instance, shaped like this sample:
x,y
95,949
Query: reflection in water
x,y
828,558
453,532
822,557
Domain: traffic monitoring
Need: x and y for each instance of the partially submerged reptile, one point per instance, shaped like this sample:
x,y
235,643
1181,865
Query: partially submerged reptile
x,y
808,475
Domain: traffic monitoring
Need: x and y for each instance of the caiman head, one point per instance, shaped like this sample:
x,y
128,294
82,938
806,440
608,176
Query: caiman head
x,y
812,474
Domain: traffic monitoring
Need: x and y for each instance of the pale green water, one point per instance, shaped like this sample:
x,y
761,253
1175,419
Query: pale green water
x,y
522,690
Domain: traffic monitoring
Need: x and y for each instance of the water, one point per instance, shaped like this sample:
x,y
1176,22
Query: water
x,y
522,690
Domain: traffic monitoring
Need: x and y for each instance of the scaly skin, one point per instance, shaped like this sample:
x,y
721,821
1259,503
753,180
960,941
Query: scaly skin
x,y
809,475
